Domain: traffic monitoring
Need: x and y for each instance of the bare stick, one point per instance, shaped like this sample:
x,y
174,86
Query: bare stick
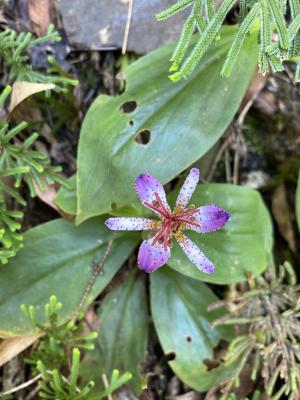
x,y
98,268
217,159
127,27
22,386
106,385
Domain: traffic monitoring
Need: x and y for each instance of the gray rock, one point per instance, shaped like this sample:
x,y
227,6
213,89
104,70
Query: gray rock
x,y
100,24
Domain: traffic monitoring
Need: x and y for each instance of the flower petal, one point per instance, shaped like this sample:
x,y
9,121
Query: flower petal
x,y
131,224
146,186
210,218
151,256
194,254
187,189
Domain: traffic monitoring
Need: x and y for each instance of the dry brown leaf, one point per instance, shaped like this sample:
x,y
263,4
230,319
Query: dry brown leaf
x,y
48,195
39,12
11,347
283,217
256,85
22,90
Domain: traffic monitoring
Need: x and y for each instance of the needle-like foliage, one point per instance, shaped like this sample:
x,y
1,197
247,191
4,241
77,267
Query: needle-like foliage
x,y
20,163
268,319
14,51
57,357
275,22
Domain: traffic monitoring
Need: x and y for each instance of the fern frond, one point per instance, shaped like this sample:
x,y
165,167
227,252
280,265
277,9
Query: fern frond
x,y
276,63
297,74
200,23
265,37
294,7
280,23
205,41
243,10
4,95
295,10
210,9
239,40
185,38
183,43
263,63
174,9
283,6
294,27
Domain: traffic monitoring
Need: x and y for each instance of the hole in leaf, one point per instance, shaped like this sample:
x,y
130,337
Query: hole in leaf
x,y
189,339
170,356
113,206
128,106
210,364
143,137
131,122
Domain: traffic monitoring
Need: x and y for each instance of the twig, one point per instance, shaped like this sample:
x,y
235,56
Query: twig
x,y
22,386
217,159
127,27
106,385
236,167
98,268
33,393
227,167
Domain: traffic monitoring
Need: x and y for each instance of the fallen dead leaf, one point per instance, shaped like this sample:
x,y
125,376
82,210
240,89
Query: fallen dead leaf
x,y
39,12
48,195
22,90
256,85
11,347
283,217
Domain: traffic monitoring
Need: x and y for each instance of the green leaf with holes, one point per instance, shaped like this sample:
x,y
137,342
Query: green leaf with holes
x,y
298,202
123,332
183,324
185,120
57,260
242,247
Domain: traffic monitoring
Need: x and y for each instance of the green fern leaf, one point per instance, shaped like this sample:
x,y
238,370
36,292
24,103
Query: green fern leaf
x,y
239,40
297,74
174,9
265,37
205,41
280,24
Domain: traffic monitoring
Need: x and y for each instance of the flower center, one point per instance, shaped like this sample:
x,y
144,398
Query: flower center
x,y
172,223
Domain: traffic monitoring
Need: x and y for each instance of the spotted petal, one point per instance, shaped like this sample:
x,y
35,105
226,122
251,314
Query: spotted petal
x,y
151,256
194,254
146,186
209,219
131,224
187,189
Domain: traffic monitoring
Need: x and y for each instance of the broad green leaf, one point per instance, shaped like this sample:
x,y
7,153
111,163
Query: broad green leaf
x,y
179,309
66,197
184,119
66,200
243,246
57,259
123,332
298,202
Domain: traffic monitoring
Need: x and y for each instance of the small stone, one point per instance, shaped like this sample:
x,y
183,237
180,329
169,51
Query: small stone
x,y
100,25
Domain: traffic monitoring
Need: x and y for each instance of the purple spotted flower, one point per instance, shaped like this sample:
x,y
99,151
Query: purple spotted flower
x,y
156,250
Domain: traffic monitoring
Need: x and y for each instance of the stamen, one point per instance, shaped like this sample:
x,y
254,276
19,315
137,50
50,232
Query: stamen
x,y
189,222
158,199
187,213
152,207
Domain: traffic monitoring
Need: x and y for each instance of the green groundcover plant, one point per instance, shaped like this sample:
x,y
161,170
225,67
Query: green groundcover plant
x,y
155,128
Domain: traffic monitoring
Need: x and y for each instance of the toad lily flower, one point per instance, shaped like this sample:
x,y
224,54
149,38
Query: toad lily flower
x,y
156,250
